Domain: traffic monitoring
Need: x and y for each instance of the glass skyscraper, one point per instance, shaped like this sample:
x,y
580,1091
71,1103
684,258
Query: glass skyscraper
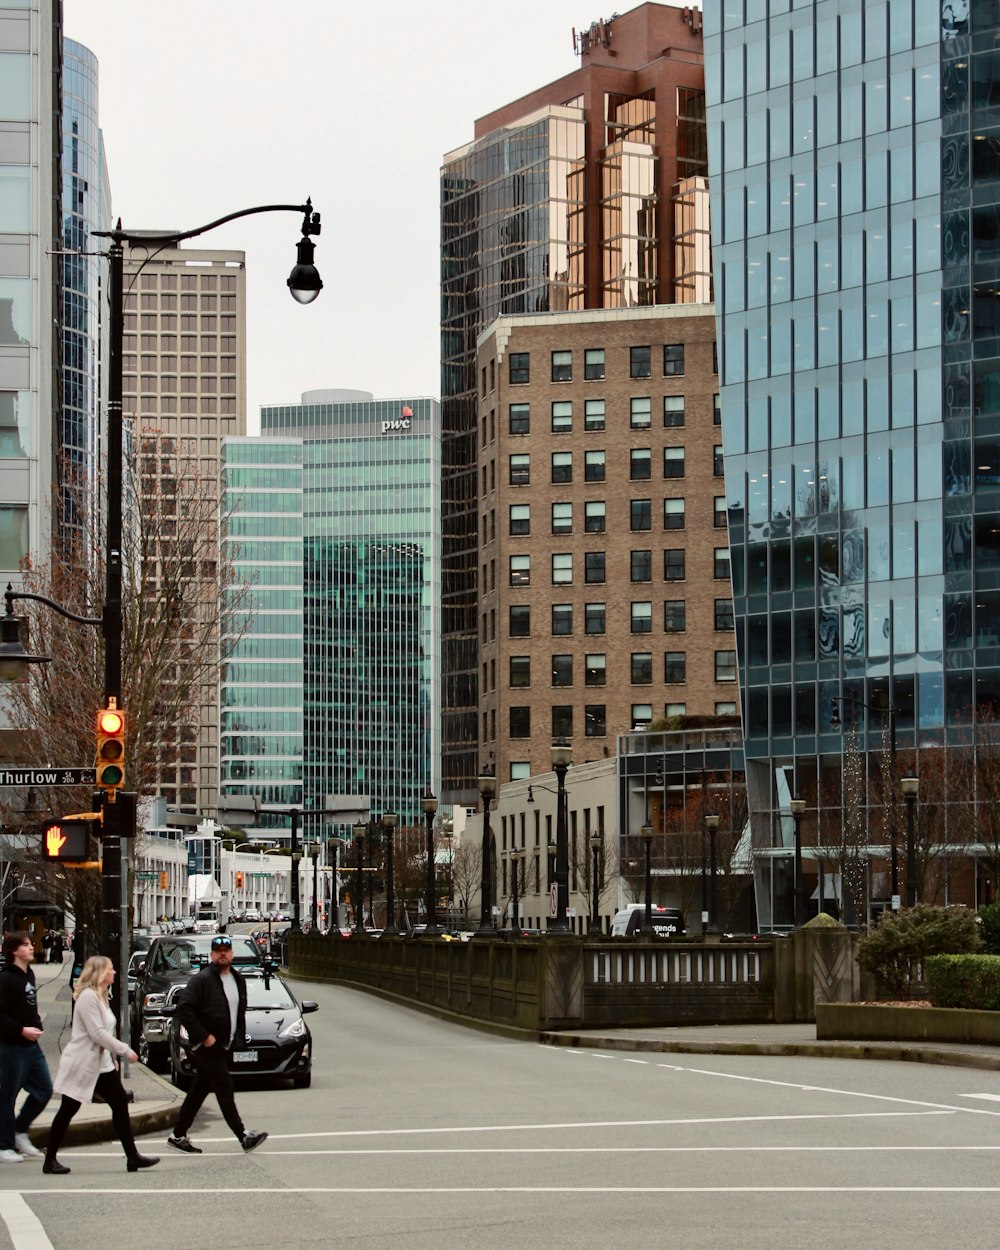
x,y
855,181
361,521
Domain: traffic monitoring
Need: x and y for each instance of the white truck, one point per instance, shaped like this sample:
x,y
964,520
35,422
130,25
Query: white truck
x,y
207,918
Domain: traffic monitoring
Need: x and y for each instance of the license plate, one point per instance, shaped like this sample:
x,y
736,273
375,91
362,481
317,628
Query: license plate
x,y
244,1056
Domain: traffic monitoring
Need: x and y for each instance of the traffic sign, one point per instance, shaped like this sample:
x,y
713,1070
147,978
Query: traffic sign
x,y
48,776
147,876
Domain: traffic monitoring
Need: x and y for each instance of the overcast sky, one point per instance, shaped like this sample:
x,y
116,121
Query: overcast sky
x,y
209,106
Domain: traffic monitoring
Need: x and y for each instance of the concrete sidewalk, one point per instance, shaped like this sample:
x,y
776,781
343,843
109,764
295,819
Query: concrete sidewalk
x,y
155,1100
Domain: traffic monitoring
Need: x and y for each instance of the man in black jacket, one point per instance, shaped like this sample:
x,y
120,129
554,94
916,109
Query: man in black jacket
x,y
212,1007
22,1064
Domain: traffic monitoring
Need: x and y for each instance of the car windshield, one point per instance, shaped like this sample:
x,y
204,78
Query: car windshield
x,y
188,952
267,992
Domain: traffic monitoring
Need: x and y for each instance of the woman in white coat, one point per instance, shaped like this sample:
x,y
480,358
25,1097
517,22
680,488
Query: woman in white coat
x,y
88,1066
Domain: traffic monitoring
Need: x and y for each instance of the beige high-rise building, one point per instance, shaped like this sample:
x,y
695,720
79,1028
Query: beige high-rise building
x,y
184,391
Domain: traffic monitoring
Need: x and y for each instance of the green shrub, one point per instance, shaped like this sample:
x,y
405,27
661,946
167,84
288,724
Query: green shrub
x,y
964,981
895,951
989,928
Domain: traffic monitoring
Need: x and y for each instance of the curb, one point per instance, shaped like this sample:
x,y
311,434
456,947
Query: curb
x,y
87,1131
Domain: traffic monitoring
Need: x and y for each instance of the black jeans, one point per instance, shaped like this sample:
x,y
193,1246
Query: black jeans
x,y
212,1076
109,1086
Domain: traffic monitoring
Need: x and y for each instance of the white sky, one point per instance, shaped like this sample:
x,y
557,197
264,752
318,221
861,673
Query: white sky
x,y
209,106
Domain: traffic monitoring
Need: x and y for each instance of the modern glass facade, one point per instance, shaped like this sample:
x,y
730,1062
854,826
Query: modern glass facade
x,y
854,186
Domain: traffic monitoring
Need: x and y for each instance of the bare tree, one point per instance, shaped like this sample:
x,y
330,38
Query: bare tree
x,y
467,874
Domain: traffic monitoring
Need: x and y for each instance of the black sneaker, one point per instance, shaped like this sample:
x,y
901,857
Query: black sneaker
x,y
252,1140
185,1144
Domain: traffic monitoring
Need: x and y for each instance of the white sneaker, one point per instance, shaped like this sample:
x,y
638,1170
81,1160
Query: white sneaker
x,y
9,1156
23,1146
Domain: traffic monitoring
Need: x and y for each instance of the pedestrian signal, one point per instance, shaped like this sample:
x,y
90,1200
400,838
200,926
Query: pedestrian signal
x,y
68,840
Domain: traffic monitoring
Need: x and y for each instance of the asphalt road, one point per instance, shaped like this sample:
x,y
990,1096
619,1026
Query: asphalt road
x,y
421,1134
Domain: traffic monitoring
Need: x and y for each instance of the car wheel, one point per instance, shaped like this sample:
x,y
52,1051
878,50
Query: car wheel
x,y
302,1082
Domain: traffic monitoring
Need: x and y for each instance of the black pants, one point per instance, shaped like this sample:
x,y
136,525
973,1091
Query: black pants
x,y
109,1086
212,1076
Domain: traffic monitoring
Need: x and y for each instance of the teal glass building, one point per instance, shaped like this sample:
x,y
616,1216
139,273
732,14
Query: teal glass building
x,y
854,150
366,606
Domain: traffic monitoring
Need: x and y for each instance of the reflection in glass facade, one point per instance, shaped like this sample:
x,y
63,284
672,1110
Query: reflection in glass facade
x,y
344,649
854,185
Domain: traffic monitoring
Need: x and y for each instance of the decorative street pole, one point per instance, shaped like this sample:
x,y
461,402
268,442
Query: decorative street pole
x,y
712,825
647,917
799,895
432,929
562,757
389,831
487,789
359,901
596,842
514,906
910,787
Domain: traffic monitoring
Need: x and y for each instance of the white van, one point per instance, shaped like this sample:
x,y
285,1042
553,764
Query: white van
x,y
667,921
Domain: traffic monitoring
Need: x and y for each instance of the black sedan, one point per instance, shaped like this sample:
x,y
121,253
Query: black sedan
x,y
278,1042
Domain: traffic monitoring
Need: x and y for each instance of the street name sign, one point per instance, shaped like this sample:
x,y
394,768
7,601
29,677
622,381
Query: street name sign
x,y
48,776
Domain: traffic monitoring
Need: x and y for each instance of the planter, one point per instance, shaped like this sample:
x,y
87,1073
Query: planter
x,y
871,1022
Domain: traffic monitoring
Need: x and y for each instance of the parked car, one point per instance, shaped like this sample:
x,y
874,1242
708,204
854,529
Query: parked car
x,y
168,964
278,1042
135,959
666,921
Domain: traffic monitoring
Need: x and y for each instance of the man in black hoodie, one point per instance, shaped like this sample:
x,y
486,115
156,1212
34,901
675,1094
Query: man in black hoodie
x,y
22,1064
212,1007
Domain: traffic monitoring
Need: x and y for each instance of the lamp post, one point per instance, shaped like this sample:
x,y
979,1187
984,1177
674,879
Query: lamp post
x,y
359,902
890,711
449,836
487,789
315,863
430,805
712,825
799,899
910,787
705,914
562,757
514,905
647,915
596,842
389,832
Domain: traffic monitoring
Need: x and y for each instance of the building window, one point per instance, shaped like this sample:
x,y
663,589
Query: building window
x,y
674,616
595,669
716,410
593,414
562,721
520,570
593,466
641,563
594,618
715,357
673,514
674,667
562,670
594,567
519,368
719,512
520,722
642,668
519,621
562,568
718,464
520,670
640,362
673,411
520,470
721,563
593,364
725,666
725,709
640,514
562,518
562,366
562,619
673,360
640,412
520,770
595,719
673,462
520,519
562,466
642,715
642,618
520,418
594,516
724,615
562,416
673,564
640,464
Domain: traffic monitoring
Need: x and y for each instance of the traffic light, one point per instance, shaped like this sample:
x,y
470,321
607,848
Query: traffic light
x,y
68,840
164,880
239,881
111,748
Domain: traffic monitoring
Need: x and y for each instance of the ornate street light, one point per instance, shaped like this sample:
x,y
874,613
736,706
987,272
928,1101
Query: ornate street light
x,y
388,823
430,805
647,917
910,787
798,896
487,789
596,842
359,902
712,825
562,757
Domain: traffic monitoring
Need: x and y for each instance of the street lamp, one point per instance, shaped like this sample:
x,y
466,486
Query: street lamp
x,y
910,787
430,805
835,721
389,827
596,842
487,789
514,905
647,917
359,902
712,825
449,836
799,899
562,757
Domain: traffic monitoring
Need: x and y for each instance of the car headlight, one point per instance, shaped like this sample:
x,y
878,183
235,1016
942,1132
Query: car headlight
x,y
153,1001
296,1029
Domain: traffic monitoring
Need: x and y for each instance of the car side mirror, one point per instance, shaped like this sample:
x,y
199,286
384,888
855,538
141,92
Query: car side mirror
x,y
141,969
308,1006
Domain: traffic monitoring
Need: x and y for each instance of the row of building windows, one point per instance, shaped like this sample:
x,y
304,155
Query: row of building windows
x,y
595,719
595,415
595,669
186,342
595,618
595,516
186,303
188,282
153,383
190,323
594,365
595,566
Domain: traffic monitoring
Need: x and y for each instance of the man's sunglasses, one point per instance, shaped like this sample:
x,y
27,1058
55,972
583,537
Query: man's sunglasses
x,y
221,944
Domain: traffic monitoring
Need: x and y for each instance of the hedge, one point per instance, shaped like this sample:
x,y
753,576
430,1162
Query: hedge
x,y
964,981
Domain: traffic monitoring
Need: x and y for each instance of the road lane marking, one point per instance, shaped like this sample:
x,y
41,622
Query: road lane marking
x,y
25,1228
989,1097
744,1191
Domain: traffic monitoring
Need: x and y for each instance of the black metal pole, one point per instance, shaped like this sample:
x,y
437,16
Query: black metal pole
x,y
799,897
359,901
894,849
704,877
430,901
514,919
560,924
296,924
486,926
647,919
595,914
390,896
911,851
312,910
